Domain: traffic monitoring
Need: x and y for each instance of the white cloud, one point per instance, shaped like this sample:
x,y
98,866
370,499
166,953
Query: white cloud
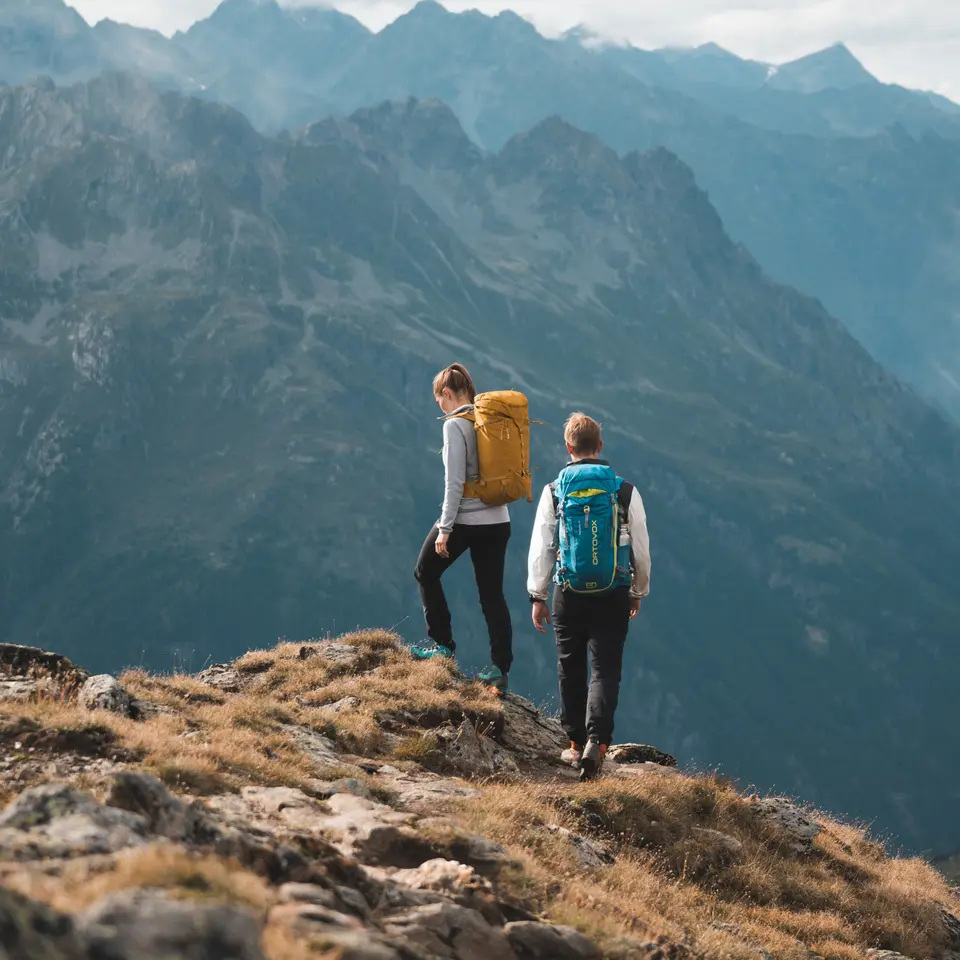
x,y
912,42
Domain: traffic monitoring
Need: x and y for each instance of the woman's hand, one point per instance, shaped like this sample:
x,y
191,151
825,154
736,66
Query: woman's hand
x,y
441,546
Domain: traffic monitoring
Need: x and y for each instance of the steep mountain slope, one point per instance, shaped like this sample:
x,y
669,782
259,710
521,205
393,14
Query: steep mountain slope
x,y
216,422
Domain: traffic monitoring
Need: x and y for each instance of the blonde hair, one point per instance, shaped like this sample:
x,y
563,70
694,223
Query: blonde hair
x,y
582,434
457,380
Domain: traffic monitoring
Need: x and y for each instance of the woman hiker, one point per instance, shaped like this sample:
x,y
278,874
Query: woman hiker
x,y
465,524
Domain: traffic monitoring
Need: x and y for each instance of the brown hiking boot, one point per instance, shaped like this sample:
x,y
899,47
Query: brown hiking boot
x,y
591,763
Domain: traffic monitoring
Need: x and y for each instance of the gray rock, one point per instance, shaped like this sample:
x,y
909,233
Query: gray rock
x,y
340,899
953,927
35,664
541,941
31,931
722,841
528,734
885,955
140,924
57,821
488,857
473,754
627,753
223,677
443,876
799,829
592,855
347,703
105,693
316,746
374,833
166,815
21,689
447,931
427,789
306,919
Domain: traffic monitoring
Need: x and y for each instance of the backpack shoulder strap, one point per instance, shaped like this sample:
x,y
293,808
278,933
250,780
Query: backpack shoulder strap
x,y
624,496
553,493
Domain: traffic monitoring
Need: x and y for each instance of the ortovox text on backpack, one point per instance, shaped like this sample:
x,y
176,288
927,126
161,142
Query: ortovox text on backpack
x,y
592,504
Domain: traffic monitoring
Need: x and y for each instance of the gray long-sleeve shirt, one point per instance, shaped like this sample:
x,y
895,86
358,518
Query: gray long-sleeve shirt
x,y
461,462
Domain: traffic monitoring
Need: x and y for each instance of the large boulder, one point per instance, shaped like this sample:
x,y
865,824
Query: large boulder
x,y
139,924
29,931
795,826
104,692
31,663
57,821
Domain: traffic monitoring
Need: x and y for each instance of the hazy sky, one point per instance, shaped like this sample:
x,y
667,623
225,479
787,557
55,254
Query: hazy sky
x,y
912,42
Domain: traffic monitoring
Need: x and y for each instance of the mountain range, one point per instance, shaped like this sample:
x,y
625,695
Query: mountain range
x,y
844,187
216,422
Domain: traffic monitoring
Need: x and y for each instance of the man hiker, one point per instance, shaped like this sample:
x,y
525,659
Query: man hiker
x,y
590,538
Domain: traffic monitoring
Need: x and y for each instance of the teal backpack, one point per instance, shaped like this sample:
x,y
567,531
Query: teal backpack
x,y
592,505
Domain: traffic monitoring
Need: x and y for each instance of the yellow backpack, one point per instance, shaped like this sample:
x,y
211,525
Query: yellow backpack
x,y
502,422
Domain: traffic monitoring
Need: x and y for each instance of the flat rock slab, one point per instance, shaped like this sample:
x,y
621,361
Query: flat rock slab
x,y
316,746
626,753
146,924
449,932
22,689
424,789
541,941
271,809
56,821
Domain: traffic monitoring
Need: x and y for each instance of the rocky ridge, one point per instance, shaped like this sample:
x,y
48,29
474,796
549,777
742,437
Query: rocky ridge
x,y
395,812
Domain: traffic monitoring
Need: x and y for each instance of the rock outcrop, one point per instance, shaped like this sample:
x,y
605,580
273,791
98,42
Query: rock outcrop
x,y
244,818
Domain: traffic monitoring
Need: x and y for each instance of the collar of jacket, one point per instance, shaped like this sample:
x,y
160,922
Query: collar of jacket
x,y
591,462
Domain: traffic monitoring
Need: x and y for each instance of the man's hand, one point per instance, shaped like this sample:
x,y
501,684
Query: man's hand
x,y
634,607
441,545
541,616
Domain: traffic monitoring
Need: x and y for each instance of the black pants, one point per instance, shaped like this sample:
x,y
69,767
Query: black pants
x,y
487,544
594,627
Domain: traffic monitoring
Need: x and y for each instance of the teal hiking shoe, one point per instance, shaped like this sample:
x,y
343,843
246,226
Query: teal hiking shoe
x,y
495,680
427,651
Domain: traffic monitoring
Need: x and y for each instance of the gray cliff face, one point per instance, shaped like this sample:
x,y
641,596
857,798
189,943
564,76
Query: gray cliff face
x,y
216,423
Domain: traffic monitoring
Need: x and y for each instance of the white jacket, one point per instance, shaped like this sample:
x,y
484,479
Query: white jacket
x,y
542,559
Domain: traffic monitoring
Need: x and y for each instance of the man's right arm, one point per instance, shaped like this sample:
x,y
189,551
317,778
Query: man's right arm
x,y
542,557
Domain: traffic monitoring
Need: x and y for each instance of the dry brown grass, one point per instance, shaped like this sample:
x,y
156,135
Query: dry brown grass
x,y
179,873
203,741
669,879
839,901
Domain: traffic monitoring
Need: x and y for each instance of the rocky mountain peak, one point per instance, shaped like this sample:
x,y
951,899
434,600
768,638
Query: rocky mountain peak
x,y
427,131
835,67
